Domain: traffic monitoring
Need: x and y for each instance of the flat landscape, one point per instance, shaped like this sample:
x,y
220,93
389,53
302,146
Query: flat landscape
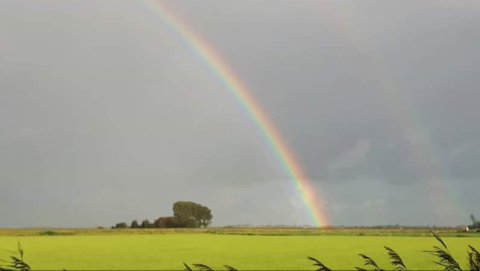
x,y
244,249
239,135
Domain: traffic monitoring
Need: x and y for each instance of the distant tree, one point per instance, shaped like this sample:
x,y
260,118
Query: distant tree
x,y
134,224
191,215
121,225
145,224
165,222
205,217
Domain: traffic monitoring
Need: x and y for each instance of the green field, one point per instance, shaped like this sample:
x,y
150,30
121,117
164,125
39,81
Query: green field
x,y
282,249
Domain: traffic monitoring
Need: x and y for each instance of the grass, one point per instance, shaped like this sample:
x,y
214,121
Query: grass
x,y
245,249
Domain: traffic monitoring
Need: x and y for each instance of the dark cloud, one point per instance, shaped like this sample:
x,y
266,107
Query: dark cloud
x,y
106,113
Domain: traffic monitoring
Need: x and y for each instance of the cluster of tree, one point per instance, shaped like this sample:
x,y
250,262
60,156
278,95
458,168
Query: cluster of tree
x,y
161,222
186,214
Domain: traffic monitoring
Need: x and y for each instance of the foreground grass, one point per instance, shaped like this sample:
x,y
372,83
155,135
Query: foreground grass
x,y
169,250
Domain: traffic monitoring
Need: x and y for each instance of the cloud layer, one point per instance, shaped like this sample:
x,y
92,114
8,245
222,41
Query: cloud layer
x,y
107,116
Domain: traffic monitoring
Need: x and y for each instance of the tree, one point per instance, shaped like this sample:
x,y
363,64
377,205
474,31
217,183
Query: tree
x,y
121,225
191,215
205,217
134,224
164,222
145,224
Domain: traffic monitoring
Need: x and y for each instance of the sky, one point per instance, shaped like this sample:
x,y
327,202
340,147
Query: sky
x,y
106,114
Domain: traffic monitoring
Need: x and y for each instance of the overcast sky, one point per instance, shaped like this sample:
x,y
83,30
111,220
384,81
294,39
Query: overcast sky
x,y
107,116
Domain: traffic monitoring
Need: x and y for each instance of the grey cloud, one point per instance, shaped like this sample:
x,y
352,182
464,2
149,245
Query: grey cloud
x,y
103,108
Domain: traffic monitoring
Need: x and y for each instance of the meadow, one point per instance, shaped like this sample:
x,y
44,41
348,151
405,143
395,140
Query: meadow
x,y
245,249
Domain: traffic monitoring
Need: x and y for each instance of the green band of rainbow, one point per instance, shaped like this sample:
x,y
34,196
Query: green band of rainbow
x,y
208,55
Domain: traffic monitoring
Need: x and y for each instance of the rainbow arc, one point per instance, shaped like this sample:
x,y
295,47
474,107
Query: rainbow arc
x,y
209,56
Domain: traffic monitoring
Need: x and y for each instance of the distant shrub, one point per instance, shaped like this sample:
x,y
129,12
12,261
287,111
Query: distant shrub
x,y
165,222
121,225
53,233
146,224
48,233
134,224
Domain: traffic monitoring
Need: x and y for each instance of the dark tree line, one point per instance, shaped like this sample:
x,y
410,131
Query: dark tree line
x,y
186,214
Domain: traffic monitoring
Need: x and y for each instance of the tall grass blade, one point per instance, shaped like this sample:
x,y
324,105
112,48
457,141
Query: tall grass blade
x,y
473,259
202,267
230,268
439,239
187,268
15,263
370,262
20,250
19,264
395,259
445,259
320,265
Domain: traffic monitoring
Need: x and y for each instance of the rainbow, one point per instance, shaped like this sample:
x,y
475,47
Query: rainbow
x,y
208,55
